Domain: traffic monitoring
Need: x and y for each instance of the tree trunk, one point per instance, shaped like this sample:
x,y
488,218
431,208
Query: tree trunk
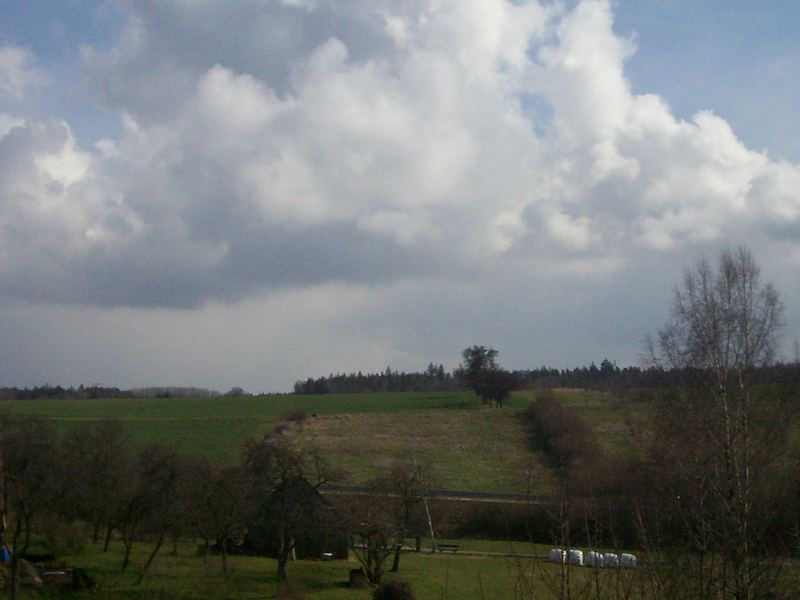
x,y
283,556
430,522
224,558
96,531
13,590
128,547
107,542
283,570
150,559
396,561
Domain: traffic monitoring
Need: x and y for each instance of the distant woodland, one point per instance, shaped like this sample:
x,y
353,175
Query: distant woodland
x,y
96,391
607,376
434,378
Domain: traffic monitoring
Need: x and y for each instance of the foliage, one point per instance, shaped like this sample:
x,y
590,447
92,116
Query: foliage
x,y
57,391
434,378
479,370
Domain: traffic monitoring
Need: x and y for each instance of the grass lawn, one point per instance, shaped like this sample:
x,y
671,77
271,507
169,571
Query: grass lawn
x,y
443,576
186,576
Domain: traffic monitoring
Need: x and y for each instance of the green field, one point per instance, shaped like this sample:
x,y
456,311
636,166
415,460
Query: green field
x,y
613,420
217,427
440,576
465,445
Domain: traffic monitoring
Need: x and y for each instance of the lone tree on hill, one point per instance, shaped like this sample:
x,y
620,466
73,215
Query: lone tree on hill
x,y
481,372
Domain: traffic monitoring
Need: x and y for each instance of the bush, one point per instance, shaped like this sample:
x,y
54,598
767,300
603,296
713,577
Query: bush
x,y
296,416
394,590
560,433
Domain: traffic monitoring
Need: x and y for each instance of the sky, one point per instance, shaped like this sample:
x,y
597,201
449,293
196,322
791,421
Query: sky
x,y
247,194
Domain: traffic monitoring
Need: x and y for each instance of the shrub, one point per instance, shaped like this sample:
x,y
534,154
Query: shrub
x,y
296,416
560,433
394,590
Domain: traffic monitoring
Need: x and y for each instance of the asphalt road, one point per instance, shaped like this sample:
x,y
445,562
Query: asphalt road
x,y
457,495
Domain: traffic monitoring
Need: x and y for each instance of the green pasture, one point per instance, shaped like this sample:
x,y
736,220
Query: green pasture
x,y
465,446
441,576
613,419
217,427
188,577
483,449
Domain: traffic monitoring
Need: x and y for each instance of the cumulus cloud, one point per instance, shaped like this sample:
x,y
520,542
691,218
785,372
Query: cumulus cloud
x,y
274,145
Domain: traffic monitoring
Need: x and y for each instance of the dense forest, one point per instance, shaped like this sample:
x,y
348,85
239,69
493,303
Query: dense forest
x,y
607,376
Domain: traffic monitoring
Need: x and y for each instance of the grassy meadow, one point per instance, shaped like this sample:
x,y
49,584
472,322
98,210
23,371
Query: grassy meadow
x,y
612,419
217,427
186,576
465,445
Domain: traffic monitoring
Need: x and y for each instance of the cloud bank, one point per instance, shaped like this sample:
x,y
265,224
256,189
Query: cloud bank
x,y
281,145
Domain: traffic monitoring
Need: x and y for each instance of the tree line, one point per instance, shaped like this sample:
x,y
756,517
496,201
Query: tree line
x,y
92,485
606,376
56,391
433,379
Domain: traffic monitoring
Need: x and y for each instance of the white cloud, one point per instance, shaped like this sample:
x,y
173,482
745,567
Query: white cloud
x,y
66,166
366,142
573,233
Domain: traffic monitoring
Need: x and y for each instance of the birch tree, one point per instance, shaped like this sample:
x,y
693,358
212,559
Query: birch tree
x,y
715,437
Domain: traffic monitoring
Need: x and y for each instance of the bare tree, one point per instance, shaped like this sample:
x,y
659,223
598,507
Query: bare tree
x,y
162,486
715,441
33,481
405,488
286,479
98,462
375,530
147,500
220,506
